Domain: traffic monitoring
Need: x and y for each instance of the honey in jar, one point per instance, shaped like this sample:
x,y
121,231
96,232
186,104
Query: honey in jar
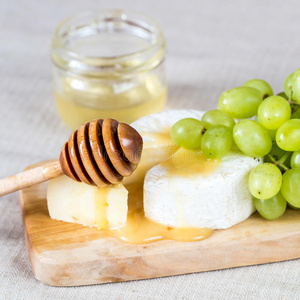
x,y
108,64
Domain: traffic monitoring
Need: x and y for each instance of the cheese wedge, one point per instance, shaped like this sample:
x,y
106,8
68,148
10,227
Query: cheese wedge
x,y
190,191
77,202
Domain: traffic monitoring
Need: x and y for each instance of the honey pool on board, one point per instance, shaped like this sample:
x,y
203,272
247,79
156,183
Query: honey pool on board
x,y
139,229
79,101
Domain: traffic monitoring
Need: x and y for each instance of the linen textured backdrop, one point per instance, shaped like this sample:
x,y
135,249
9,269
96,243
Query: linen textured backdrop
x,y
212,46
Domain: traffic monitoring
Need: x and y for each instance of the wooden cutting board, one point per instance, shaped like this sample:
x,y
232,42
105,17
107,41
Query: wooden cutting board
x,y
65,254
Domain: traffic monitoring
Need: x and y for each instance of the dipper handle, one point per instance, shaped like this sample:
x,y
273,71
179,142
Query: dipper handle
x,y
30,177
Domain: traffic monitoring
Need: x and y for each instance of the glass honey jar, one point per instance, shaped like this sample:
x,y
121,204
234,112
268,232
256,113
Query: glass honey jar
x,y
108,64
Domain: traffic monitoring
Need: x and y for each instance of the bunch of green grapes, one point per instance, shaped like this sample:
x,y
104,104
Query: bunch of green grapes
x,y
260,124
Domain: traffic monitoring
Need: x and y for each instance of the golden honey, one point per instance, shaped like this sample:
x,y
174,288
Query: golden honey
x,y
101,207
78,107
141,230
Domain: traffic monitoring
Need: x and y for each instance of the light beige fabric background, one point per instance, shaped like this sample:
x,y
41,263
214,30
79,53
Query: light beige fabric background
x,y
212,46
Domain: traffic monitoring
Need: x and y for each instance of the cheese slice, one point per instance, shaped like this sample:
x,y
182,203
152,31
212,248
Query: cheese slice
x,y
77,202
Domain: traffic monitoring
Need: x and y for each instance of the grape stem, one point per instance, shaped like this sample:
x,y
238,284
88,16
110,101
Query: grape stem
x,y
292,102
281,161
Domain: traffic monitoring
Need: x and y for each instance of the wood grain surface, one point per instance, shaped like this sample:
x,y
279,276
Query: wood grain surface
x,y
66,254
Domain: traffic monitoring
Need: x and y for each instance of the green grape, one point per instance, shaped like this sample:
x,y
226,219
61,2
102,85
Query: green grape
x,y
290,188
252,138
295,160
273,112
272,133
293,207
260,85
296,86
217,117
265,181
292,86
241,102
288,135
287,86
216,141
272,208
188,133
283,95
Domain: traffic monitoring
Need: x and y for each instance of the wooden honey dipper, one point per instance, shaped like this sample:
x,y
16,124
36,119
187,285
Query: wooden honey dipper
x,y
99,153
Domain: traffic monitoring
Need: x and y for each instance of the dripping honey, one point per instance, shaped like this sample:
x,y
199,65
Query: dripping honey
x,y
139,229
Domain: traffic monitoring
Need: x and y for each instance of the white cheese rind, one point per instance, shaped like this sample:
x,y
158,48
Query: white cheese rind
x,y
217,200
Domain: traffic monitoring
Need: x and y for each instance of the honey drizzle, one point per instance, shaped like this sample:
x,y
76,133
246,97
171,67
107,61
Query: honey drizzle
x,y
141,230
101,207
